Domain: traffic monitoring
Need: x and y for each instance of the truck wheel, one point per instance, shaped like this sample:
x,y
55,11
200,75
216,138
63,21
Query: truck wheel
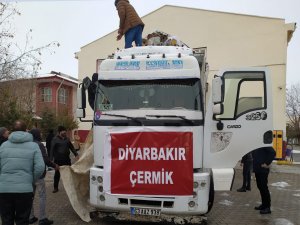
x,y
211,194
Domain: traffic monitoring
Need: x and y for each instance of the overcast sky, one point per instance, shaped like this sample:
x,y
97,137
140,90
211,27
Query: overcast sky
x,y
76,23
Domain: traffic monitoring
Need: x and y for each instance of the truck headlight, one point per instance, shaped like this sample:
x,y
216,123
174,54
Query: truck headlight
x,y
192,204
100,179
102,198
196,184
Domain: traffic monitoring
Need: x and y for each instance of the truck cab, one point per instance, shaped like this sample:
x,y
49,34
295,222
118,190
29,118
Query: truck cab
x,y
160,148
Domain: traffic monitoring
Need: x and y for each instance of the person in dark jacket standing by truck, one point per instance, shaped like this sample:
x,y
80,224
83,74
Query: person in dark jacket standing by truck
x,y
60,152
262,159
246,163
39,185
131,24
21,165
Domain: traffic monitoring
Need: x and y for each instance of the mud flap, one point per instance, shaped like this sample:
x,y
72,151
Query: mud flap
x,y
223,179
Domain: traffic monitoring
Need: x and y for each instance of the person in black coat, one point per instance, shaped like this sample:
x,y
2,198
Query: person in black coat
x,y
262,159
60,152
49,138
246,163
39,186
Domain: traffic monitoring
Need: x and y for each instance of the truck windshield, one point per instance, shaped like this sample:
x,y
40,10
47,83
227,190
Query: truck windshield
x,y
161,94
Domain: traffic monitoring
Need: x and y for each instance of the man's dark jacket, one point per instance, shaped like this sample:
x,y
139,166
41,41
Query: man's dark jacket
x,y
37,139
247,158
60,149
49,138
261,156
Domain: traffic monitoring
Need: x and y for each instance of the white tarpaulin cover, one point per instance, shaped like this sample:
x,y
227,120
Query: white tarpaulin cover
x,y
76,180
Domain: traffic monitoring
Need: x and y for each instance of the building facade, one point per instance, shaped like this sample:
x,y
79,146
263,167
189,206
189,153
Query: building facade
x,y
232,41
56,92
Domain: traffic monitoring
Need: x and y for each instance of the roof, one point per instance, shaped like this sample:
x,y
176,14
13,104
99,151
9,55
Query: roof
x,y
59,75
184,7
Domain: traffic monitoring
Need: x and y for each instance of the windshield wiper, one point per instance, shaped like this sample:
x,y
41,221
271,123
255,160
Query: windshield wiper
x,y
173,116
123,116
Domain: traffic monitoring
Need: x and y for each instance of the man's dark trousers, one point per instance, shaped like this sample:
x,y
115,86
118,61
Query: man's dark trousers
x,y
262,185
247,167
57,173
15,207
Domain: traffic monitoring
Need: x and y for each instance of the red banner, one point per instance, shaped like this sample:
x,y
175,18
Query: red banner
x,y
152,163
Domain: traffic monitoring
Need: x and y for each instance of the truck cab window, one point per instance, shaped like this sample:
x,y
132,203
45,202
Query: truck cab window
x,y
149,94
239,96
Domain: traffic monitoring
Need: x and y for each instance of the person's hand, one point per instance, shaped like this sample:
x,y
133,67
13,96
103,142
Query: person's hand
x,y
77,158
119,37
56,167
265,166
120,31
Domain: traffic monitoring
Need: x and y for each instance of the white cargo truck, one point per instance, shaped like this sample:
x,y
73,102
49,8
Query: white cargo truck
x,y
165,140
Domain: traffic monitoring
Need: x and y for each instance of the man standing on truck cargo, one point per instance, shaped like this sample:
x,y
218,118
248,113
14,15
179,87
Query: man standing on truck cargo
x,y
131,24
60,151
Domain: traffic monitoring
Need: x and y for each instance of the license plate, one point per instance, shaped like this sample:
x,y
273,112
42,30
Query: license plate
x,y
144,211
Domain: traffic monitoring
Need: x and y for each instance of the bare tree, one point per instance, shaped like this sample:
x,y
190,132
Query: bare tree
x,y
15,61
18,68
293,112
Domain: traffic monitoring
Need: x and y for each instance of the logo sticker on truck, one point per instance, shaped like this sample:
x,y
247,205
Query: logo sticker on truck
x,y
152,163
257,116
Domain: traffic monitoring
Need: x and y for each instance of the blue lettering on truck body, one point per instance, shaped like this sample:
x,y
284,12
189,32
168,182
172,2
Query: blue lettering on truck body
x,y
177,64
128,65
157,64
164,64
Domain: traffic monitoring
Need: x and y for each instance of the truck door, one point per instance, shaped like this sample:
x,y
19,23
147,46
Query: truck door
x,y
246,121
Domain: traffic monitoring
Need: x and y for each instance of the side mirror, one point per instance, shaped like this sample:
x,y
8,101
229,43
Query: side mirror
x,y
80,113
217,90
218,109
81,102
81,98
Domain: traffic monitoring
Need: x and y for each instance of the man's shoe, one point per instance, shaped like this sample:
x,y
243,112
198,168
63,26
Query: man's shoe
x,y
265,211
241,189
33,220
259,207
45,221
55,190
248,188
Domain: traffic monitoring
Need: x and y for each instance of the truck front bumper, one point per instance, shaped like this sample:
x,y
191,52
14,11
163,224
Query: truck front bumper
x,y
173,206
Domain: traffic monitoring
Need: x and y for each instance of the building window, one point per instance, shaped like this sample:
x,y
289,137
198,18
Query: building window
x,y
62,96
46,94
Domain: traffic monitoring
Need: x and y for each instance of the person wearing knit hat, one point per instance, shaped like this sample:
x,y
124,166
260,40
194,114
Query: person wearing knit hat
x,y
4,133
